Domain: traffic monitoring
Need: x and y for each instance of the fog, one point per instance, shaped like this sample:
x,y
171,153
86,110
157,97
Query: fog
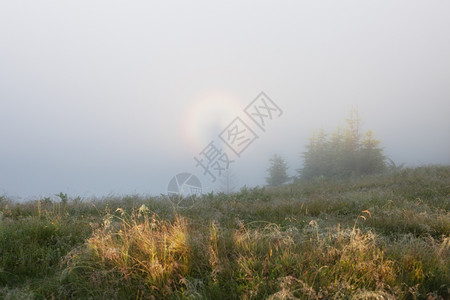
x,y
117,97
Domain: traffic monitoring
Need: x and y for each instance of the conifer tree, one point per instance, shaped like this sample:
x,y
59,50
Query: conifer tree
x,y
277,171
371,156
351,144
335,152
344,153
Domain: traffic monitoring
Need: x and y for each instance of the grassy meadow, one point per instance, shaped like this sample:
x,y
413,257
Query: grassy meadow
x,y
374,237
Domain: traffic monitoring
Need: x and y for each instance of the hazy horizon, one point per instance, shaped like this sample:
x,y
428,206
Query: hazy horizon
x,y
110,97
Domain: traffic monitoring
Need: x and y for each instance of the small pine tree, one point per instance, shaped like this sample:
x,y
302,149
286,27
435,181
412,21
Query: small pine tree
x,y
371,156
316,157
336,153
277,171
351,144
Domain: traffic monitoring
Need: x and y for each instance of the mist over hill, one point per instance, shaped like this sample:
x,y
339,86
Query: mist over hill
x,y
111,97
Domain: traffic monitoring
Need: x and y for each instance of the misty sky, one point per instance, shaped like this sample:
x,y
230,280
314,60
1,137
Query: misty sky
x,y
117,97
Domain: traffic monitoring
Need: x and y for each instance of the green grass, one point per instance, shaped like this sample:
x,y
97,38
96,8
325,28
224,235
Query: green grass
x,y
377,237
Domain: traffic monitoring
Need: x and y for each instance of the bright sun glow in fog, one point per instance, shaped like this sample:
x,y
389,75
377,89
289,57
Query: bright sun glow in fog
x,y
207,116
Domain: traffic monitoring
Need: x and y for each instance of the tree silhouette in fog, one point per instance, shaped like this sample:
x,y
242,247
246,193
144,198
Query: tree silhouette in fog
x,y
344,153
277,171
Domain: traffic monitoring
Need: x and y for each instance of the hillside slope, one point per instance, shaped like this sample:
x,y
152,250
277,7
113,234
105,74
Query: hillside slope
x,y
380,237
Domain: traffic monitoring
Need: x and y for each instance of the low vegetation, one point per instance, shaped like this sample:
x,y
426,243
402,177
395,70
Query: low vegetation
x,y
374,237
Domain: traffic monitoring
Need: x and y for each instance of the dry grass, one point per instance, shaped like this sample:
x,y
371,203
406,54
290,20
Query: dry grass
x,y
135,248
384,237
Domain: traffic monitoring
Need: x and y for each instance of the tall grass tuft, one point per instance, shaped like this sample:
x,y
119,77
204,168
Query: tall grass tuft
x,y
136,253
